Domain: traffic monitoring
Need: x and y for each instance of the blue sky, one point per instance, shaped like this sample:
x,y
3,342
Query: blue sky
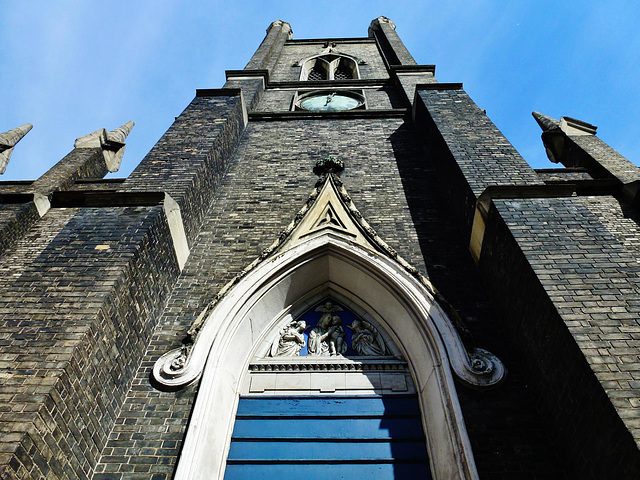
x,y
71,67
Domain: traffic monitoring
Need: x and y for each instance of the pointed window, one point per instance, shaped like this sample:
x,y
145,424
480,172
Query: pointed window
x,y
329,67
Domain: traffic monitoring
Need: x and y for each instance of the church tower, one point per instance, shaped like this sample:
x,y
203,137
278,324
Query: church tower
x,y
335,266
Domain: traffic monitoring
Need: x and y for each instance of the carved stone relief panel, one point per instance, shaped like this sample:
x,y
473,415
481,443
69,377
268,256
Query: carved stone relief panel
x,y
333,330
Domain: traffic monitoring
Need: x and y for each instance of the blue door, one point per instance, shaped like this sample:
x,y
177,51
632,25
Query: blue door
x,y
328,438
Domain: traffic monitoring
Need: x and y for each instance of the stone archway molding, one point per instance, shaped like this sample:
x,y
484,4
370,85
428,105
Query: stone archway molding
x,y
241,319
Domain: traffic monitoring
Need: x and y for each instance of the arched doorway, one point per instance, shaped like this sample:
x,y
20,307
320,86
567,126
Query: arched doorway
x,y
329,251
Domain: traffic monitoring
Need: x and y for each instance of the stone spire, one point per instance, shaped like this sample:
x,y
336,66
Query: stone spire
x,y
8,140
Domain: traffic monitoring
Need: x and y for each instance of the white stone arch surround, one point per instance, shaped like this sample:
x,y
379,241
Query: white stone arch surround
x,y
240,322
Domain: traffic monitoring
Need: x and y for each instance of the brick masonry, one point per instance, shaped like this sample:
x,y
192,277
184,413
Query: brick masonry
x,y
75,319
91,297
574,310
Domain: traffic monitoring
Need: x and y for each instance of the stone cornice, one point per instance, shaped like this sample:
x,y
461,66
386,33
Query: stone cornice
x,y
347,115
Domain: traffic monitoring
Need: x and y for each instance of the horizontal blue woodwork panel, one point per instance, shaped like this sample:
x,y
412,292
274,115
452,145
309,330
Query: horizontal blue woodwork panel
x,y
333,472
334,406
321,451
357,428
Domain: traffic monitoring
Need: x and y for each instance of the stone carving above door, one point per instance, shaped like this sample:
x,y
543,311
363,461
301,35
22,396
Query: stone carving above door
x,y
327,336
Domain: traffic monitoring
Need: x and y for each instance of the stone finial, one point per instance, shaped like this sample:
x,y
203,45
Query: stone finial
x,y
92,140
114,151
328,164
120,134
568,125
284,25
375,24
546,123
8,140
112,144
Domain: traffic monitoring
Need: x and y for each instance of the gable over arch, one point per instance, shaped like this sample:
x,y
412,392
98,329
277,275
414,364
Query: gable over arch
x,y
322,253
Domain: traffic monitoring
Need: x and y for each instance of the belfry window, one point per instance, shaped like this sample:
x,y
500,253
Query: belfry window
x,y
317,72
329,67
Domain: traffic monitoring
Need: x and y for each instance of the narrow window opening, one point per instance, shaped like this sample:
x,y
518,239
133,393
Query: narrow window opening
x,y
317,73
343,72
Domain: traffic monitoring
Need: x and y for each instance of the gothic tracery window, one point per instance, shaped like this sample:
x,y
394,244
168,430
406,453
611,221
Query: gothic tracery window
x,y
329,67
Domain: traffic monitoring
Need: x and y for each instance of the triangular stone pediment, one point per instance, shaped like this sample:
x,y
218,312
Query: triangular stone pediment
x,y
329,218
327,213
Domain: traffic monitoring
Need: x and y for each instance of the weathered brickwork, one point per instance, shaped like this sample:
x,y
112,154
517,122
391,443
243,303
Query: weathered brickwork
x,y
269,179
79,163
90,298
75,319
191,156
468,148
15,220
562,175
392,48
620,219
573,311
409,83
607,157
252,90
509,436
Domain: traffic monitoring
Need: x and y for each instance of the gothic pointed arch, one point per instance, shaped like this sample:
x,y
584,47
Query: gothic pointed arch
x,y
329,65
328,251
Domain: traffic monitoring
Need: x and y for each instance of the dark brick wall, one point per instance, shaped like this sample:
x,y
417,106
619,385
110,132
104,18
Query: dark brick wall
x,y
268,180
191,156
509,436
605,156
468,149
79,163
295,52
15,221
572,312
252,90
389,42
75,321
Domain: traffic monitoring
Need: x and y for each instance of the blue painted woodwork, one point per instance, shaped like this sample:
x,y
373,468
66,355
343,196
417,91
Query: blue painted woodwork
x,y
327,451
283,471
322,437
328,427
345,406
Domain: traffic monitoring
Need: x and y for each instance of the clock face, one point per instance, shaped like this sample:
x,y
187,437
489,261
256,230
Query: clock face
x,y
330,102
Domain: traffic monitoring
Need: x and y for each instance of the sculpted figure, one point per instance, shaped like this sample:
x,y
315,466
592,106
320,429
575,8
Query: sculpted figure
x,y
327,337
318,344
291,340
365,339
337,345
